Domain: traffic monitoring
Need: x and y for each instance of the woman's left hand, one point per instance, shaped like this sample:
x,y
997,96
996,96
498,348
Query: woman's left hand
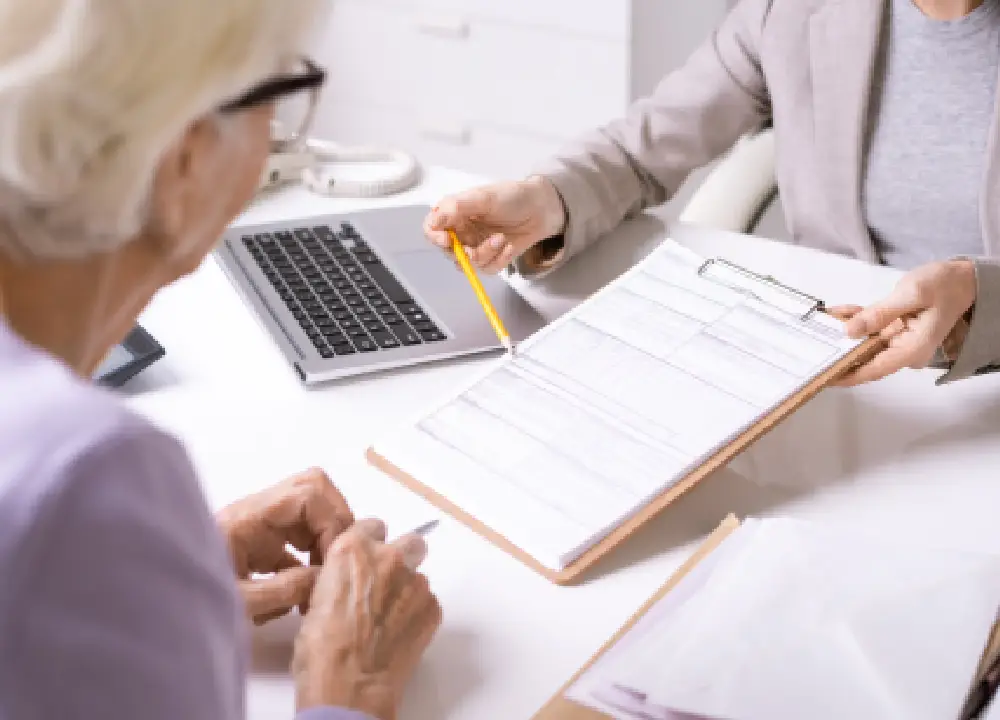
x,y
924,312
305,511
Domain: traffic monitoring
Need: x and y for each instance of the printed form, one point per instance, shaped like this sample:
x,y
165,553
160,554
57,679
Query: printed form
x,y
610,405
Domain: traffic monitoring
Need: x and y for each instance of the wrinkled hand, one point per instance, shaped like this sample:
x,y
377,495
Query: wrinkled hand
x,y
924,312
371,616
305,511
498,222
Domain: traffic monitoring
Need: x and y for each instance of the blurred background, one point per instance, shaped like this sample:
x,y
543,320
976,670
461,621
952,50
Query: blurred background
x,y
492,86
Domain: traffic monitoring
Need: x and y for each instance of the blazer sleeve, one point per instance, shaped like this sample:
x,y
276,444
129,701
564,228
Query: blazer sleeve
x,y
980,352
694,115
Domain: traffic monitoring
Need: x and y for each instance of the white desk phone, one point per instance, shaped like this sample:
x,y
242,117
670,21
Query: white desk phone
x,y
310,161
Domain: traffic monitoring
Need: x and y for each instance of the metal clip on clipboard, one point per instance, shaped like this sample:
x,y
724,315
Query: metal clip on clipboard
x,y
770,291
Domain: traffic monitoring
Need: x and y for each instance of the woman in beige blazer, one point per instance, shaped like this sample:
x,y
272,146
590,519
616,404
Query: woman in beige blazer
x,y
883,112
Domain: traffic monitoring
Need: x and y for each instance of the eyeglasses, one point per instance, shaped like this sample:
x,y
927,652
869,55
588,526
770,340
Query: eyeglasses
x,y
283,91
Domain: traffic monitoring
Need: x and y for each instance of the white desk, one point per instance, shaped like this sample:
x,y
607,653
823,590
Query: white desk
x,y
901,455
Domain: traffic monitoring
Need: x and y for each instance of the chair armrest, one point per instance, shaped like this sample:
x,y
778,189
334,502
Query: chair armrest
x,y
738,189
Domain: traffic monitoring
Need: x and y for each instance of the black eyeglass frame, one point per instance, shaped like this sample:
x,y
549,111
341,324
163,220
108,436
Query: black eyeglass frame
x,y
278,87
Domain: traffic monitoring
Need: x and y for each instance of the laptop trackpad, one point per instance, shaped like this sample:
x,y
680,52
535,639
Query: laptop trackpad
x,y
442,288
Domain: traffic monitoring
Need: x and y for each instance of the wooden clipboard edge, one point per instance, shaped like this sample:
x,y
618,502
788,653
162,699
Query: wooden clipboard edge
x,y
559,708
445,505
574,570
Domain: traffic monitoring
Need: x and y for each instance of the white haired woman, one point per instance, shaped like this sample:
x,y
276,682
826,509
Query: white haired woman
x,y
131,133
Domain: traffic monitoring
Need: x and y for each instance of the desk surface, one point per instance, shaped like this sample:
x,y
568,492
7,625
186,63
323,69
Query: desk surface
x,y
920,460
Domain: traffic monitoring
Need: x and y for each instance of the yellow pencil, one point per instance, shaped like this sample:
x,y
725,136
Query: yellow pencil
x,y
484,299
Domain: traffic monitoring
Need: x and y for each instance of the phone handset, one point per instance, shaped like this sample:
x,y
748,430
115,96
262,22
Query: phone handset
x,y
313,163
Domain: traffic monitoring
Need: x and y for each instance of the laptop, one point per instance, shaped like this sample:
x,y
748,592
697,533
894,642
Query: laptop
x,y
348,294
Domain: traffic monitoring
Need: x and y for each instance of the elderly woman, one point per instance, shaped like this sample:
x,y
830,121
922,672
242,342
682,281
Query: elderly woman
x,y
131,133
884,117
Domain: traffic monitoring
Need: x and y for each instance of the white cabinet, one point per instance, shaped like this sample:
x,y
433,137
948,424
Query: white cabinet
x,y
491,86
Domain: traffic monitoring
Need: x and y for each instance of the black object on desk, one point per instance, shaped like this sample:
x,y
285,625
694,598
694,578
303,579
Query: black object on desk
x,y
134,354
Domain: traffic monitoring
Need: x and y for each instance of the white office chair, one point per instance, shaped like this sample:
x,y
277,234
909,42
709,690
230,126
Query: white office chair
x,y
738,189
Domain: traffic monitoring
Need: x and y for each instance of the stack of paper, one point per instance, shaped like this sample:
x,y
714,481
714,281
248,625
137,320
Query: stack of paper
x,y
787,620
614,403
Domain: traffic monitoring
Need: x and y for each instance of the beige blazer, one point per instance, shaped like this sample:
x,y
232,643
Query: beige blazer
x,y
804,66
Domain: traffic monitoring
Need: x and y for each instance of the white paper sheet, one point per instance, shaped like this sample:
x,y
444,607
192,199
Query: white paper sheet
x,y
793,621
613,403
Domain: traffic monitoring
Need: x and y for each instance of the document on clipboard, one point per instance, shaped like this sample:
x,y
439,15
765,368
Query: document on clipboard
x,y
781,618
598,421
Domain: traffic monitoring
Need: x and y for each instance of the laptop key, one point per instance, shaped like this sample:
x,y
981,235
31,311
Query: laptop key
x,y
406,336
394,320
323,232
344,349
432,335
326,353
385,339
365,344
357,332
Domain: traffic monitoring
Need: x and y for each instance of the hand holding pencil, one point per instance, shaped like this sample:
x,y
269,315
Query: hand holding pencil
x,y
498,223
477,287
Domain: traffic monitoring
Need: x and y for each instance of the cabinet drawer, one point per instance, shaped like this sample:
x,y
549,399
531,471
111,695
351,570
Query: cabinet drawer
x,y
370,51
471,70
522,78
478,149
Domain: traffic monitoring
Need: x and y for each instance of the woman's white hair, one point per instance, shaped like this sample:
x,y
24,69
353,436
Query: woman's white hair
x,y
94,92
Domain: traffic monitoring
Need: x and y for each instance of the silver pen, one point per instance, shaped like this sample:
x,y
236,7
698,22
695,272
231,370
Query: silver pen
x,y
425,528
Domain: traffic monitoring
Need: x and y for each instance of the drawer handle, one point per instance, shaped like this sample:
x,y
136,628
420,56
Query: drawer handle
x,y
444,27
459,135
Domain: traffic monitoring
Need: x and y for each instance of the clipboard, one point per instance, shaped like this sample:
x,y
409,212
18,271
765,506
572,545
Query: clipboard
x,y
797,304
561,708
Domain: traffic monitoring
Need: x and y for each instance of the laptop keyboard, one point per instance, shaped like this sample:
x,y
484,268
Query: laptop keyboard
x,y
339,291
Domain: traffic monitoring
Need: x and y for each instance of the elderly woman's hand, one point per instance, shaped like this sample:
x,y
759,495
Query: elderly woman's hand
x,y
371,616
923,313
305,511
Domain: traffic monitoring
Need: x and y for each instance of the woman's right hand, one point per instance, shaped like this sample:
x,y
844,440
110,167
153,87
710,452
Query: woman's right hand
x,y
498,222
371,616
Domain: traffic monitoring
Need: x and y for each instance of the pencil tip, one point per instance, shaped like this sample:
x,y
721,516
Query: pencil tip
x,y
508,345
